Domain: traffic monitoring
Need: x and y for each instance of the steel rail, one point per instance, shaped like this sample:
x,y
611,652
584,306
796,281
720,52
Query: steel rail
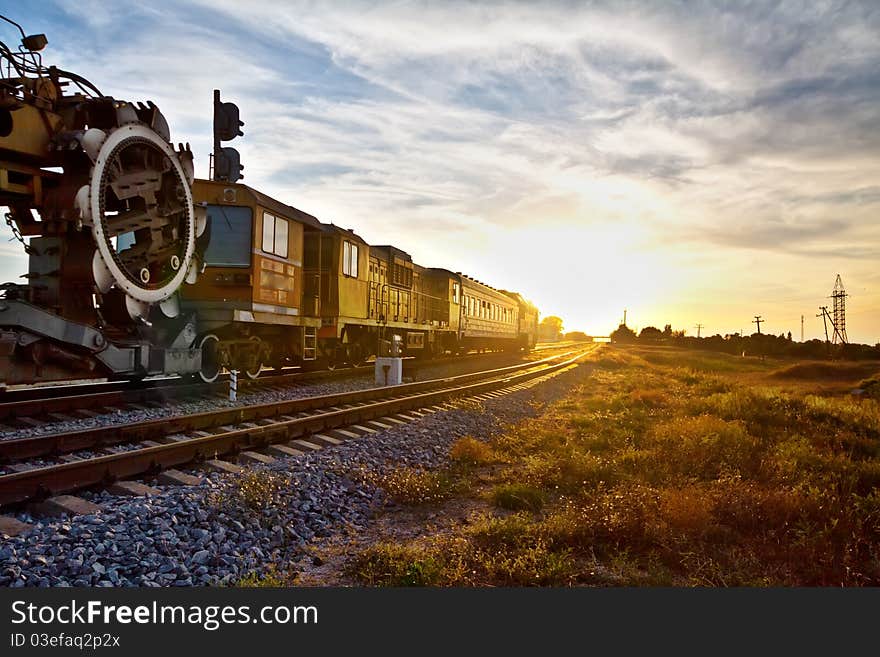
x,y
120,394
17,449
38,401
49,480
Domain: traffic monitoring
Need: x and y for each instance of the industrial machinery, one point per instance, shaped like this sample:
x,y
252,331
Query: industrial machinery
x,y
102,204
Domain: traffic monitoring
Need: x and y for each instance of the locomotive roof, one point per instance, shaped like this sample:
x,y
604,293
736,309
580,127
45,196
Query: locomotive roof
x,y
392,249
282,208
348,232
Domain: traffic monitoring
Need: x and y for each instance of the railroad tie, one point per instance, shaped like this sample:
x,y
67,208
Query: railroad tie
x,y
60,417
223,466
10,526
362,428
132,489
255,457
283,451
25,422
324,440
178,478
60,504
305,444
344,434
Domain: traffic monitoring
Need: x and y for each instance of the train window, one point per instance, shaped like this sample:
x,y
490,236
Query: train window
x,y
231,233
281,237
349,259
455,292
275,235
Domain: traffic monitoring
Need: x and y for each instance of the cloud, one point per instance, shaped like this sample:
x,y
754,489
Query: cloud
x,y
732,127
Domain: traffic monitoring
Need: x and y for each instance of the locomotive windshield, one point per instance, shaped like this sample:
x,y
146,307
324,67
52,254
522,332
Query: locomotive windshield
x,y
231,233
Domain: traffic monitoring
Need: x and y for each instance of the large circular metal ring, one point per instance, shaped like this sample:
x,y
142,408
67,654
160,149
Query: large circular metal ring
x,y
114,143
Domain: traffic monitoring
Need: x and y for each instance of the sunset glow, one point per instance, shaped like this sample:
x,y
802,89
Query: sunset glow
x,y
685,163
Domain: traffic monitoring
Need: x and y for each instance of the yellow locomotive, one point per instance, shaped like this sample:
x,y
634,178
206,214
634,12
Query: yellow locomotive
x,y
281,288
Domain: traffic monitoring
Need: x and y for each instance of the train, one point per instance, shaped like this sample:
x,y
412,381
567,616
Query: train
x,y
138,268
279,287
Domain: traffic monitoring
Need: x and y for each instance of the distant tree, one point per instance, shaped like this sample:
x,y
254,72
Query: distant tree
x,y
667,331
650,334
578,336
623,334
788,337
550,329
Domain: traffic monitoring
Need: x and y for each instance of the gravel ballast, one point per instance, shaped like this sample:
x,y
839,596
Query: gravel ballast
x,y
190,536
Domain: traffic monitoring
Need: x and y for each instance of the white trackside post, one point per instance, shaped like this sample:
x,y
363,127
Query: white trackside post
x,y
233,385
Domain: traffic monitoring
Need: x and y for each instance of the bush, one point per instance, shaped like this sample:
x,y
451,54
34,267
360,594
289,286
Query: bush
x,y
414,486
518,497
254,490
469,451
390,564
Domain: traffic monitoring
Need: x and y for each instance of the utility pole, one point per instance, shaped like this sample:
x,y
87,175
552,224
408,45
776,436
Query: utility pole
x,y
758,321
624,316
823,313
802,328
698,327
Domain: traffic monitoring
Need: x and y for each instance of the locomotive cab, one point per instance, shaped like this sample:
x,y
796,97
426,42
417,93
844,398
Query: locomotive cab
x,y
250,299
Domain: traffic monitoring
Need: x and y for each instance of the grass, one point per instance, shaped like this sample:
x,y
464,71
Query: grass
x,y
270,579
252,491
519,497
415,486
467,451
664,471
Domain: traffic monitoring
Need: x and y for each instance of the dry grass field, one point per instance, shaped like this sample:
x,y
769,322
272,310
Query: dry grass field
x,y
661,467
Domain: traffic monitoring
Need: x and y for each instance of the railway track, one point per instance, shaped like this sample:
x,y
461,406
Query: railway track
x,y
22,408
103,455
34,407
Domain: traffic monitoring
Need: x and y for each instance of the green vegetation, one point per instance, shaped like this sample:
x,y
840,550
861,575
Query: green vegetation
x,y
270,579
518,497
252,491
468,451
414,486
757,344
665,471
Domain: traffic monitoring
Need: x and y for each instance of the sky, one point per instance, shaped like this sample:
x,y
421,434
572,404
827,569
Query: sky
x,y
688,162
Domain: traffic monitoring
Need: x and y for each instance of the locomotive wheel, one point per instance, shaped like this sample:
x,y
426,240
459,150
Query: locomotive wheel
x,y
356,355
255,372
210,358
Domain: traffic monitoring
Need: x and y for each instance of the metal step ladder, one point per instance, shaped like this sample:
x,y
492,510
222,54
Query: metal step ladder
x,y
310,343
